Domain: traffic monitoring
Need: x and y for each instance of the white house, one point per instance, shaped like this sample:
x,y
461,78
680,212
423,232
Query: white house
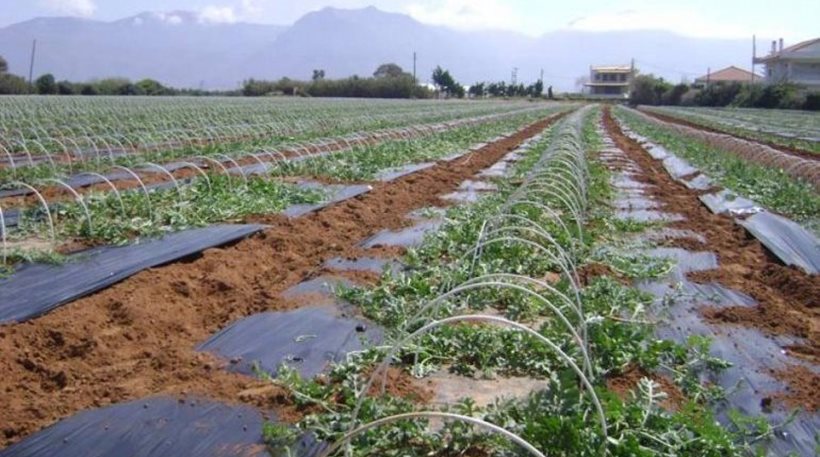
x,y
610,81
798,64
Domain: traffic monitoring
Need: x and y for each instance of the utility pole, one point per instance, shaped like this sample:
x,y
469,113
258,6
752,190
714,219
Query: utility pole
x,y
541,78
754,54
415,82
31,64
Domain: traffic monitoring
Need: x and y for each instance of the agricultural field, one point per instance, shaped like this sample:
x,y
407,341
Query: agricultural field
x,y
796,130
219,276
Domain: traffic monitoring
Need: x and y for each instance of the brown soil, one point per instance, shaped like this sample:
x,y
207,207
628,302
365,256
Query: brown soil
x,y
803,387
401,384
137,337
787,297
625,383
790,150
594,270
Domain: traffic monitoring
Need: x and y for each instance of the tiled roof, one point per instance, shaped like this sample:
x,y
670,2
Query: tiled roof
x,y
729,74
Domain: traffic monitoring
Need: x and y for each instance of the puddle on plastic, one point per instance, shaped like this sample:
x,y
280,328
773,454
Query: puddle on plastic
x,y
648,215
449,388
370,264
325,285
407,237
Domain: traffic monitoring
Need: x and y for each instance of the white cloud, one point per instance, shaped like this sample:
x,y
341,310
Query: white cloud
x,y
684,22
82,8
168,18
466,14
217,15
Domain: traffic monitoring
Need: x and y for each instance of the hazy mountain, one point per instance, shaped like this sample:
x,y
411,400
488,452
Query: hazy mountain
x,y
175,48
179,49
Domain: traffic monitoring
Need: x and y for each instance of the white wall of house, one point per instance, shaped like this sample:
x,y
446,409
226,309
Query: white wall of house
x,y
800,67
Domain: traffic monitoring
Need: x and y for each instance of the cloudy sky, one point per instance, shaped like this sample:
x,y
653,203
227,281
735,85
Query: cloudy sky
x,y
792,19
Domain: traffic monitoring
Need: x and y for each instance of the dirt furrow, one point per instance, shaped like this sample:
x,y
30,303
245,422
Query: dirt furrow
x,y
137,338
789,299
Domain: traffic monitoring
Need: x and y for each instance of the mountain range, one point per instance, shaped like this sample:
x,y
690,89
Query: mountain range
x,y
179,49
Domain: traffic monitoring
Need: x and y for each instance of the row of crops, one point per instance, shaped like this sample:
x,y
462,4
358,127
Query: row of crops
x,y
33,130
118,203
796,129
498,294
766,183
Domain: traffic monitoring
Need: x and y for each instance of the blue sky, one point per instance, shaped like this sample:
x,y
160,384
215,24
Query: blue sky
x,y
792,19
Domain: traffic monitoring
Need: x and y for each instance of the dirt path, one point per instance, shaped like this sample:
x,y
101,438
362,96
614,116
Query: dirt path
x,y
137,337
789,299
792,151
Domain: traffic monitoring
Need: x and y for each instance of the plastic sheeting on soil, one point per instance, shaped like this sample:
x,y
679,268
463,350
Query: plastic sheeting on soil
x,y
35,289
727,202
323,285
391,174
408,237
750,352
335,194
370,264
790,242
677,167
153,427
306,339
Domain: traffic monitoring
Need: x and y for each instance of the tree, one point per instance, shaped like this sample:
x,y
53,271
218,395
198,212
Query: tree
x,y
318,75
536,89
478,90
388,70
12,84
89,89
445,82
65,88
4,66
46,84
151,87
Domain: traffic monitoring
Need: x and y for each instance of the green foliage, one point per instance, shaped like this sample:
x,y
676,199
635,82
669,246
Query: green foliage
x,y
46,85
780,96
317,75
151,87
12,84
648,90
195,205
389,70
4,66
445,82
401,86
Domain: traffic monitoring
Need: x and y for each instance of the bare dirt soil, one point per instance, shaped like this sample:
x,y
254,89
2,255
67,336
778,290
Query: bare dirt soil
x,y
788,298
137,338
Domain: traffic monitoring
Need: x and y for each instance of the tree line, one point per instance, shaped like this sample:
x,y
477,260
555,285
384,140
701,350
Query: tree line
x,y
651,90
388,81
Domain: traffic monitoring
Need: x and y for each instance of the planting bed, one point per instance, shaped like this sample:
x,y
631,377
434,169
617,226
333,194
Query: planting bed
x,y
138,337
793,132
549,280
